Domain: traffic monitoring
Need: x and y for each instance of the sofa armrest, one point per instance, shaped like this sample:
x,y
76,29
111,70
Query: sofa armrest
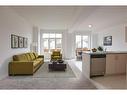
x,y
41,56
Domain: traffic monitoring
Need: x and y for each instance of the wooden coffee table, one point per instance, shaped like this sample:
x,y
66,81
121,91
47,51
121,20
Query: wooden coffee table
x,y
57,66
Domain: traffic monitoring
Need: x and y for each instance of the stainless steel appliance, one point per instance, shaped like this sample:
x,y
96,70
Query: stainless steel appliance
x,y
98,64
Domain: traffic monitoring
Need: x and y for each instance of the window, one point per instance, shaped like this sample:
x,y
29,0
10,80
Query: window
x,y
85,41
52,41
46,46
45,35
78,41
58,35
58,43
52,35
82,41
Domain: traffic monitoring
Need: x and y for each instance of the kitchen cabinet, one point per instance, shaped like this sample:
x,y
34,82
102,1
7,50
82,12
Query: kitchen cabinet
x,y
116,63
110,63
121,63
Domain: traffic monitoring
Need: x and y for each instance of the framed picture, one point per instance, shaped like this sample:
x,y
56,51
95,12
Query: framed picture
x,y
107,41
14,41
25,42
20,42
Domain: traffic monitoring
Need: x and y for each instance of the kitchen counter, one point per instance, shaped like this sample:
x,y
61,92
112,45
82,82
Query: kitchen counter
x,y
115,62
91,53
107,52
116,52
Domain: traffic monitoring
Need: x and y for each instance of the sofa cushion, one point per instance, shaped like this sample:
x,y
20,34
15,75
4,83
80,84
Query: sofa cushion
x,y
35,54
20,57
28,57
24,58
36,63
32,56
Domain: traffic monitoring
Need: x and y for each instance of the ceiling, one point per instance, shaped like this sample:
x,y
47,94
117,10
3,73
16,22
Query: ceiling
x,y
104,17
72,17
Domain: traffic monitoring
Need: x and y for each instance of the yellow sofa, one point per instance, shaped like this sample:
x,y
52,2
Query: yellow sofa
x,y
26,63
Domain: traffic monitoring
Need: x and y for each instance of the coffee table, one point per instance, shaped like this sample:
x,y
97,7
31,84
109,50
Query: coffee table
x,y
56,66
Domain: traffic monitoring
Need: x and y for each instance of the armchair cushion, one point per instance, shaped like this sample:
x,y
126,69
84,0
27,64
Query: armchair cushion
x,y
56,55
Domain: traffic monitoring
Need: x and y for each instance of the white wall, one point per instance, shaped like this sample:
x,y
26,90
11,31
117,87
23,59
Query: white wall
x,y
36,40
11,23
118,37
68,45
94,40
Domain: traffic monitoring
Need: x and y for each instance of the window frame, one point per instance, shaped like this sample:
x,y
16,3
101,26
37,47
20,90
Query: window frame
x,y
81,41
55,38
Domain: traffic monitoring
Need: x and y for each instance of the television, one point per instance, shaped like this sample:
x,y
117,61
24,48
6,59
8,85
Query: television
x,y
107,41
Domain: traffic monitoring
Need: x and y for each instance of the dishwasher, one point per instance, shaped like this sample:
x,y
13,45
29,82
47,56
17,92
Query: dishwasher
x,y
98,64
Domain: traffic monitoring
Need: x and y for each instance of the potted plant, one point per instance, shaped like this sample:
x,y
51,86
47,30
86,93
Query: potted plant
x,y
100,48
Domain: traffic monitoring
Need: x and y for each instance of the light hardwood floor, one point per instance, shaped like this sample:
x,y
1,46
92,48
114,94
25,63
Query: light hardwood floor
x,y
110,82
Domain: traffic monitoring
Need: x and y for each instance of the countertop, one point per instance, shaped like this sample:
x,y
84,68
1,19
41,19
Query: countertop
x,y
107,52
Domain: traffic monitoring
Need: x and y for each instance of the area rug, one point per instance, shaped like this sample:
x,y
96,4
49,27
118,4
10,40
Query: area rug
x,y
43,79
44,72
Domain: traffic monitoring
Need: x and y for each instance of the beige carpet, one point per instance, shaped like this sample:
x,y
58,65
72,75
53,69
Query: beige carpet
x,y
51,82
44,72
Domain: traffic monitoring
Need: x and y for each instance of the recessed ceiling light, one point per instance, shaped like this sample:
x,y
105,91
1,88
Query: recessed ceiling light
x,y
89,25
